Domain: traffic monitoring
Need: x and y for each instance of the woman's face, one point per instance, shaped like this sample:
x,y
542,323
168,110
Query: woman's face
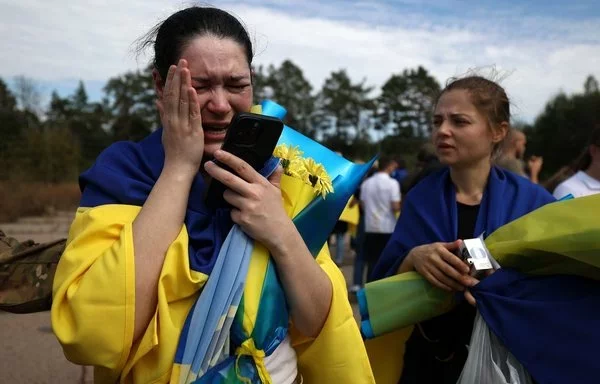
x,y
221,76
461,134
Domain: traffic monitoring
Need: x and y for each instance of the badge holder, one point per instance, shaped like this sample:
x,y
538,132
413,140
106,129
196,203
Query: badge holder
x,y
475,253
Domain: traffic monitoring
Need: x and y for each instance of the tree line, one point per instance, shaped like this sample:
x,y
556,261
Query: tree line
x,y
56,142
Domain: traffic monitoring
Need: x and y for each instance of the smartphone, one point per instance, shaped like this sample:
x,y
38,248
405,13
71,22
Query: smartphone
x,y
250,137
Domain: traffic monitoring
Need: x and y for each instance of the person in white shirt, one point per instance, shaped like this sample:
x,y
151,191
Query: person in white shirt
x,y
380,200
587,179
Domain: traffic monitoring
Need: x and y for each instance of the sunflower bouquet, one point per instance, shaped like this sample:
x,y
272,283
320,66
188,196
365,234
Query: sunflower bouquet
x,y
304,168
317,182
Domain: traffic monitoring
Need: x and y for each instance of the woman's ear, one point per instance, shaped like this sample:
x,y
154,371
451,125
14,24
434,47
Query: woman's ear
x,y
159,84
500,132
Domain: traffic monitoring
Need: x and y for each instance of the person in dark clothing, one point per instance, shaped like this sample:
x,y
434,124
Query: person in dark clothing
x,y
427,163
339,232
401,173
358,241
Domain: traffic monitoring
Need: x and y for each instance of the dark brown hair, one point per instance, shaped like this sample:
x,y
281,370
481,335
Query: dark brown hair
x,y
384,162
170,37
585,159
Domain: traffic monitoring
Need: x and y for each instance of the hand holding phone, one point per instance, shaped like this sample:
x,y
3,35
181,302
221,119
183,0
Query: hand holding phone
x,y
250,137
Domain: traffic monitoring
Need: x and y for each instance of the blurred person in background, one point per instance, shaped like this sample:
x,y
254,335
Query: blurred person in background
x,y
401,172
358,240
427,162
513,152
339,234
380,199
587,179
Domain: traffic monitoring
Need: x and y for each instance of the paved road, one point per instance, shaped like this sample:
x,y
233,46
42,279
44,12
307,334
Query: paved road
x,y
29,352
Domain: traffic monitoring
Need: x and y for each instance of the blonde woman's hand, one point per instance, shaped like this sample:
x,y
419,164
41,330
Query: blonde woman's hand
x,y
469,296
441,267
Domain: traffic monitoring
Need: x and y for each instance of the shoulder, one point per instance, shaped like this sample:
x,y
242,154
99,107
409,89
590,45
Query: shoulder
x,y
115,152
150,146
365,184
570,185
521,188
434,181
128,155
390,182
370,182
122,167
117,159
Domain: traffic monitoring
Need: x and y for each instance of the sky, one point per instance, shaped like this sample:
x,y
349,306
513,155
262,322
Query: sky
x,y
535,48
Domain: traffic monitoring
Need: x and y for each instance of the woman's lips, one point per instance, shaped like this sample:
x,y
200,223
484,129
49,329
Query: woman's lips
x,y
214,133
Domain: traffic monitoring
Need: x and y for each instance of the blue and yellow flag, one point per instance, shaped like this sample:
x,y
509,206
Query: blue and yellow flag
x,y
543,304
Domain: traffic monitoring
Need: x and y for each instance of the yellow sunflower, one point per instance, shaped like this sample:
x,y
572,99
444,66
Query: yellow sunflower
x,y
317,177
295,168
290,158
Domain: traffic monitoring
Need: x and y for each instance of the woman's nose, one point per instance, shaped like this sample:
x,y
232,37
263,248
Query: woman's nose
x,y
218,102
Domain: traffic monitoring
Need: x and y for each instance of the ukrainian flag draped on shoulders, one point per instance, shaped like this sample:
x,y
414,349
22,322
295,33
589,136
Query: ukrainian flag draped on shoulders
x,y
221,307
543,303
